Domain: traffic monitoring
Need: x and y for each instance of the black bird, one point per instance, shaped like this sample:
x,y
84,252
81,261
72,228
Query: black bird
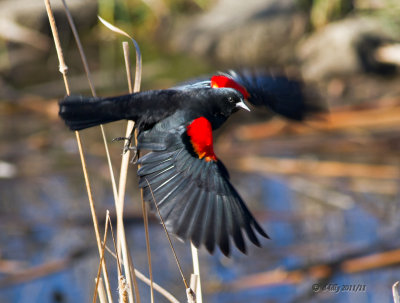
x,y
190,184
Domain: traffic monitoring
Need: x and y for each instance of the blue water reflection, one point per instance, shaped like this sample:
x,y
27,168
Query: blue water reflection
x,y
52,228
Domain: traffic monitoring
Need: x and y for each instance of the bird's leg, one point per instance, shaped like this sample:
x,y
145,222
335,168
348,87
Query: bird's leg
x,y
135,157
128,143
128,146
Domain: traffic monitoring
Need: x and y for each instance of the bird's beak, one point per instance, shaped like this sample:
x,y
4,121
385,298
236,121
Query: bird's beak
x,y
242,105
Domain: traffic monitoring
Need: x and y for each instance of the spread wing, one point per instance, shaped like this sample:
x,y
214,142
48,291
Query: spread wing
x,y
191,188
280,94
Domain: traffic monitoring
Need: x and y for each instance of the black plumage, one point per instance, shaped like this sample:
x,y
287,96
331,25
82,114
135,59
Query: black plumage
x,y
181,172
194,197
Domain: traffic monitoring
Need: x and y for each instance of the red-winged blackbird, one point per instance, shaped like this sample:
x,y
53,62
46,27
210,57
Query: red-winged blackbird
x,y
190,184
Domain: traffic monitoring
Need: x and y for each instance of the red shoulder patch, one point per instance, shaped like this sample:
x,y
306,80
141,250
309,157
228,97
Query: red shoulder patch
x,y
200,133
224,81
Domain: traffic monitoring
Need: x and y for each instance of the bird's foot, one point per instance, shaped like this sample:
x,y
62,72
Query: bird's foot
x,y
127,146
120,139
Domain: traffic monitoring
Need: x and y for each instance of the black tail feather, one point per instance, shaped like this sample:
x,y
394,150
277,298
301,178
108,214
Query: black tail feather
x,y
80,112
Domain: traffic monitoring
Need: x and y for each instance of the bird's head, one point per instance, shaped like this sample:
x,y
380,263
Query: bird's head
x,y
220,104
236,93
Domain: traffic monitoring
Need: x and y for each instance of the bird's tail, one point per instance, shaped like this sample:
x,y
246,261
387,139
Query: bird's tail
x,y
80,112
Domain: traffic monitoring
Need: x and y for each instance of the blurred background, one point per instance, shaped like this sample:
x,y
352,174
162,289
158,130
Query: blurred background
x,y
327,192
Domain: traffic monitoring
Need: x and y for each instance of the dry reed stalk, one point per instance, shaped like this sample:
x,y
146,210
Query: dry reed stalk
x,y
157,287
192,291
63,69
123,174
162,291
395,292
123,290
123,287
190,295
129,127
101,256
92,89
115,248
196,271
101,291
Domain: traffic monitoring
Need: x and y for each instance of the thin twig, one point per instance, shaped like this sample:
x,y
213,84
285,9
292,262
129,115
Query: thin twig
x,y
92,88
93,212
115,247
101,257
123,174
125,47
168,237
148,250
138,71
127,57
133,277
80,48
146,280
63,69
123,286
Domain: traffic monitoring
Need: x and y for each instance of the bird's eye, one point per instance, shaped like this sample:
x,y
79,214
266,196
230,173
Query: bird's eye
x,y
230,99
